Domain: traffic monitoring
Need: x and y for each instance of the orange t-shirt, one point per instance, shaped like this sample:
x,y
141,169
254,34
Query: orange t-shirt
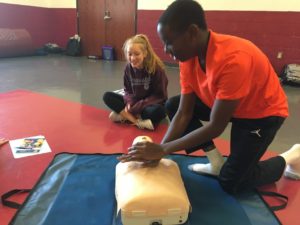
x,y
235,69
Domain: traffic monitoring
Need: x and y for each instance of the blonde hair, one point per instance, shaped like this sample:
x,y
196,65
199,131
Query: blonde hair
x,y
151,60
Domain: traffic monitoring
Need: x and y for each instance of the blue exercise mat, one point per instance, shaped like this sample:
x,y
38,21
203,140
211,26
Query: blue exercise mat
x,y
79,189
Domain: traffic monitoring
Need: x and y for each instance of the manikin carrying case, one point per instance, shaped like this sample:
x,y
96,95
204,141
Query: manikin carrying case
x,y
79,189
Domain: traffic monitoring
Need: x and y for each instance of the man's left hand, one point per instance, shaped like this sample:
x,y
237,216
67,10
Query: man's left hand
x,y
143,152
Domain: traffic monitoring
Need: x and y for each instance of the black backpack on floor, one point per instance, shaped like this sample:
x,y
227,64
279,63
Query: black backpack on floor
x,y
73,46
290,75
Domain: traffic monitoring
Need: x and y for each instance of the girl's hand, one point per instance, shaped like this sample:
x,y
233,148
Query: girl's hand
x,y
3,141
127,108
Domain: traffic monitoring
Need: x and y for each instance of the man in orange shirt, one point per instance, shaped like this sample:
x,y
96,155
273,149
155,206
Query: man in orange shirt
x,y
223,79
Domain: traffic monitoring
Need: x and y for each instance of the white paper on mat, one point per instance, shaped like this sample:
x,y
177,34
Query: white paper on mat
x,y
17,142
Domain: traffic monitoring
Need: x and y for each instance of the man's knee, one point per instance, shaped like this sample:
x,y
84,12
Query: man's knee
x,y
172,104
160,112
228,187
230,180
157,114
106,96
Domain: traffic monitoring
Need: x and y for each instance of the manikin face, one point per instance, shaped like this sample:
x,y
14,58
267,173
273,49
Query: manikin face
x,y
136,55
141,139
178,45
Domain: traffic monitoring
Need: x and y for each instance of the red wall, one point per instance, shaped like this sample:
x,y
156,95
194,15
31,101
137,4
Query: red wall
x,y
44,24
270,31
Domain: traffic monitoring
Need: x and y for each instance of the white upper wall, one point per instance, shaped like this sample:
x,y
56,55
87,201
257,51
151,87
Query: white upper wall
x,y
240,5
232,5
44,3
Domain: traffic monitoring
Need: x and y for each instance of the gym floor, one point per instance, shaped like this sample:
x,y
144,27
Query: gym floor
x,y
83,80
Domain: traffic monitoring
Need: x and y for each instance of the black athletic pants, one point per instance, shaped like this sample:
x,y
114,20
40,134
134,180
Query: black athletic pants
x,y
249,140
116,103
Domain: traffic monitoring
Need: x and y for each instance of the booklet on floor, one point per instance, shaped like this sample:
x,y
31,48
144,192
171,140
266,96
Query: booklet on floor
x,y
29,146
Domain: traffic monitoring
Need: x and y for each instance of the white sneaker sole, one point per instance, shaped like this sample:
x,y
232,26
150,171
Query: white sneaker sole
x,y
141,124
116,118
289,173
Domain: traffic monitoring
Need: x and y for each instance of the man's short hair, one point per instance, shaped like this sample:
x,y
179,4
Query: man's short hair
x,y
181,14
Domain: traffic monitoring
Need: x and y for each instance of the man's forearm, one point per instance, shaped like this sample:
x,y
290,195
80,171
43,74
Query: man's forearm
x,y
195,138
176,129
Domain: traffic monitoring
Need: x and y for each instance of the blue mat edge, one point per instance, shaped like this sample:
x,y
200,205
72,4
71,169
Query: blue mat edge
x,y
115,154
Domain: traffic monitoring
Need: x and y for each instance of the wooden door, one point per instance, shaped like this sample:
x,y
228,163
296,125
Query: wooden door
x,y
105,23
121,25
91,26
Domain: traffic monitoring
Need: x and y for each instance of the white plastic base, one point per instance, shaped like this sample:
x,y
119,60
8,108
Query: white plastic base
x,y
144,220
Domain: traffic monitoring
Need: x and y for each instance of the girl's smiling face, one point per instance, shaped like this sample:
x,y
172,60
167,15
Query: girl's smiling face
x,y
136,55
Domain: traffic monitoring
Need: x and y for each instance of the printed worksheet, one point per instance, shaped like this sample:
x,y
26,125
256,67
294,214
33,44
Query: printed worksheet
x,y
29,146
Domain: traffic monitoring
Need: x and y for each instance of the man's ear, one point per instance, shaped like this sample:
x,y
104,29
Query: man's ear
x,y
193,31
